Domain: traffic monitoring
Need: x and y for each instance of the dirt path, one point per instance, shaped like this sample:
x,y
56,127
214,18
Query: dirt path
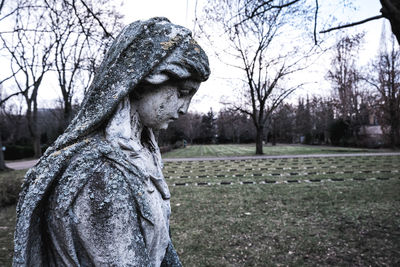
x,y
20,165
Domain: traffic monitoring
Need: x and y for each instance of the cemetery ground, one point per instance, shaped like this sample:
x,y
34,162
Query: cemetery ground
x,y
230,150
339,211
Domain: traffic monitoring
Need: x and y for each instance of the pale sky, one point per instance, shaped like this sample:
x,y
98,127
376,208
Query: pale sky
x,y
219,86
181,12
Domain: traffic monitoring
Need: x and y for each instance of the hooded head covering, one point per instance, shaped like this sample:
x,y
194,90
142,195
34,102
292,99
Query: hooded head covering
x,y
143,50
140,50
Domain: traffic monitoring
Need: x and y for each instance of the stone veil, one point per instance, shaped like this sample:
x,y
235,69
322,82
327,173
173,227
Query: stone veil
x,y
86,167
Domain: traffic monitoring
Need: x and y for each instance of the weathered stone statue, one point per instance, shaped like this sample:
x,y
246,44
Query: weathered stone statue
x,y
98,196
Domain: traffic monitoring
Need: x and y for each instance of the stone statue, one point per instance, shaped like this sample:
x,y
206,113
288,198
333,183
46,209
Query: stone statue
x,y
98,197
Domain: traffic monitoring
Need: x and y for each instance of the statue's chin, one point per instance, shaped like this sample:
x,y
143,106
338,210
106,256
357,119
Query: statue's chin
x,y
162,126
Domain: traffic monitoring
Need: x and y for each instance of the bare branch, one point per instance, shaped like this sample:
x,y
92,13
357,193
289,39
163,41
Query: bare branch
x,y
97,19
371,83
9,77
252,37
242,110
315,22
353,24
256,13
391,10
2,101
1,5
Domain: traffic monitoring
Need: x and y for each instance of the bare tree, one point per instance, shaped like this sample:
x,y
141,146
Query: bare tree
x,y
186,127
14,122
234,127
258,8
390,10
79,30
303,121
386,81
282,126
345,77
322,111
2,104
2,163
30,50
68,37
190,125
264,65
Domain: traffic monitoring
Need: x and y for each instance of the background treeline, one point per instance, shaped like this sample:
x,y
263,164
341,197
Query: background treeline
x,y
15,135
56,46
312,120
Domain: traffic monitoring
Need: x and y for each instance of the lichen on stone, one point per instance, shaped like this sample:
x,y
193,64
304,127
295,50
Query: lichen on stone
x,y
171,43
84,181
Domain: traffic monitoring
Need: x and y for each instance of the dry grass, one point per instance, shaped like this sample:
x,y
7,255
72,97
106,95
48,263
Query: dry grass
x,y
351,221
10,185
324,224
249,150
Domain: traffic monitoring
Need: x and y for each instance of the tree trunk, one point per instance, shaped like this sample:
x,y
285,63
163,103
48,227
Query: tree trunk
x,y
2,163
391,11
354,131
394,134
259,140
273,139
36,147
67,114
34,132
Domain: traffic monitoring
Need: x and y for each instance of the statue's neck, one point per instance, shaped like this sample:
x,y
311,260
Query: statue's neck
x,y
137,129
126,130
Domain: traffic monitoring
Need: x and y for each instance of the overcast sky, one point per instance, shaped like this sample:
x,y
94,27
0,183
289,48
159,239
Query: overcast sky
x,y
219,86
216,88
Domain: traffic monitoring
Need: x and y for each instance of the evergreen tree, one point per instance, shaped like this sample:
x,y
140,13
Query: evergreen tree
x,y
208,128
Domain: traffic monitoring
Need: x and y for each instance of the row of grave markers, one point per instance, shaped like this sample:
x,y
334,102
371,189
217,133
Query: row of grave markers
x,y
282,182
282,174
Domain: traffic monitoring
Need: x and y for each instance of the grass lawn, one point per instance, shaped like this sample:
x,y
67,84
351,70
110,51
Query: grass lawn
x,y
249,150
333,211
10,184
7,224
325,224
320,212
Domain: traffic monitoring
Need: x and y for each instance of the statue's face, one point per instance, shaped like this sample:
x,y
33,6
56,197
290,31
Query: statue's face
x,y
164,103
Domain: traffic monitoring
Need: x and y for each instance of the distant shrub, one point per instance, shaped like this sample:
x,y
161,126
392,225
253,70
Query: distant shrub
x,y
177,144
14,152
308,139
338,132
10,186
164,149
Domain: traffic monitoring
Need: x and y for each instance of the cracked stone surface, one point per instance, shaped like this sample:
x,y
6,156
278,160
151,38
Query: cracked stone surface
x,y
98,196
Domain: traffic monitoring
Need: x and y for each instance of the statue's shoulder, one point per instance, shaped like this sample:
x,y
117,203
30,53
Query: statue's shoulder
x,y
75,177
109,176
96,156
